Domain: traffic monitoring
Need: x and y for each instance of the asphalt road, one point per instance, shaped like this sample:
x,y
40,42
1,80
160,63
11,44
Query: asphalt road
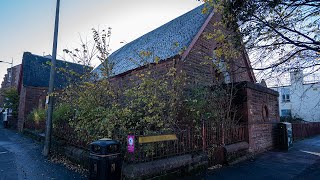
x,y
300,162
21,158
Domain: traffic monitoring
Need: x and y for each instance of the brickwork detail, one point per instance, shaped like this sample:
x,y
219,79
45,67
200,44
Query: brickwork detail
x,y
200,71
263,116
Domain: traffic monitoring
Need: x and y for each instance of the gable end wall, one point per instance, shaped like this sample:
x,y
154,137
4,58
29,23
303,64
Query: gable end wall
x,y
200,71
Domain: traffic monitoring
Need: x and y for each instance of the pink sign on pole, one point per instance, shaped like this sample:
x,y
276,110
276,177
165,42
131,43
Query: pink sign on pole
x,y
131,144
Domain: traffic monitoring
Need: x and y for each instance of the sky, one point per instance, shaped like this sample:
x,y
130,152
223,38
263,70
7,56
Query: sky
x,y
27,25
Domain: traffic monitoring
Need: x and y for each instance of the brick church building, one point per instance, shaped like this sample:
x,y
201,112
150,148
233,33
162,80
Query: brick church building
x,y
181,44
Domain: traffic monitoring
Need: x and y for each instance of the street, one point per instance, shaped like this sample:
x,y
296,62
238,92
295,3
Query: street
x,y
21,158
300,162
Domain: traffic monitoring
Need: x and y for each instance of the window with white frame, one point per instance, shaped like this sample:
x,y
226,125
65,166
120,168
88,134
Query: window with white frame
x,y
285,95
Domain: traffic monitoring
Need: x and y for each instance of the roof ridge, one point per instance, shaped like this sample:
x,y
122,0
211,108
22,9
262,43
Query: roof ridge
x,y
158,28
165,41
45,57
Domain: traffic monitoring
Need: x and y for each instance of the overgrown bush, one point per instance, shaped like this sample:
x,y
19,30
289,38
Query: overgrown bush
x,y
213,105
37,115
63,113
11,100
105,110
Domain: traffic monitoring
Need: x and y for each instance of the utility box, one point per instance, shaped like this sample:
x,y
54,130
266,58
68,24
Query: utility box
x,y
105,160
285,136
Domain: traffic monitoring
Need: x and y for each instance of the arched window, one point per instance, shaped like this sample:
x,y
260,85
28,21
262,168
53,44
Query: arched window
x,y
265,113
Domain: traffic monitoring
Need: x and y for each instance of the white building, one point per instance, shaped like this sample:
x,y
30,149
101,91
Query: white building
x,y
299,100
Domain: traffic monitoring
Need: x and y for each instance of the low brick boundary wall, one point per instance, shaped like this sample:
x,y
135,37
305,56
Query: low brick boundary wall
x,y
175,166
164,168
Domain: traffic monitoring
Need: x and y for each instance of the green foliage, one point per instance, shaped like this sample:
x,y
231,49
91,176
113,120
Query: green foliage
x,y
104,110
213,105
37,115
144,104
147,104
62,113
11,100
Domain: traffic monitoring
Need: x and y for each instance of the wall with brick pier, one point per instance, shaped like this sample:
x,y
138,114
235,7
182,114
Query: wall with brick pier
x,y
261,112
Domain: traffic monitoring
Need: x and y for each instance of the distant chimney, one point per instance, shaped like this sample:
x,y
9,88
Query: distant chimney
x,y
48,56
263,83
296,77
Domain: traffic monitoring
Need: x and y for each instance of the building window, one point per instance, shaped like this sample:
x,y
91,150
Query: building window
x,y
286,112
285,95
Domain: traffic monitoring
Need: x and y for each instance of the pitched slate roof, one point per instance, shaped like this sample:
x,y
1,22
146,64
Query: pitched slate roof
x,y
164,42
36,71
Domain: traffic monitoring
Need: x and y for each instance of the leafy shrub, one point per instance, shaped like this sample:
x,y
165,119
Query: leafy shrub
x,y
213,105
37,115
11,100
62,113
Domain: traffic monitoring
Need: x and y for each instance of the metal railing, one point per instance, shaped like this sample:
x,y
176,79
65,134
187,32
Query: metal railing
x,y
188,140
236,134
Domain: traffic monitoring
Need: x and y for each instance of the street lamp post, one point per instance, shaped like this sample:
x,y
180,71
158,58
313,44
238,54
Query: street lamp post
x,y
47,143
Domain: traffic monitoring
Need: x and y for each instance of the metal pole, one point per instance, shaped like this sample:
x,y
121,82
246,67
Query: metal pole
x,y
47,143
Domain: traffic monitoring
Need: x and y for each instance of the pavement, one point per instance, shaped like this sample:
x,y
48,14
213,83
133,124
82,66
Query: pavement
x,y
21,158
300,162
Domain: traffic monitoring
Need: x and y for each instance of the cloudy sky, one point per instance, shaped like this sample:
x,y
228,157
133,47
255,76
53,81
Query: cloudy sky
x,y
27,25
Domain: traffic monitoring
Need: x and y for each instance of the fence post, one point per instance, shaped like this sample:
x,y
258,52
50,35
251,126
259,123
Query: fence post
x,y
222,135
203,136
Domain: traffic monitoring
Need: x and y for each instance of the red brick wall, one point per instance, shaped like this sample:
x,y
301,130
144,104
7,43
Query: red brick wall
x,y
200,71
159,70
262,136
262,117
30,98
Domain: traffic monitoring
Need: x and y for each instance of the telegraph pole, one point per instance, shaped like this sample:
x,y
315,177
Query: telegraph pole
x,y
47,143
11,72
